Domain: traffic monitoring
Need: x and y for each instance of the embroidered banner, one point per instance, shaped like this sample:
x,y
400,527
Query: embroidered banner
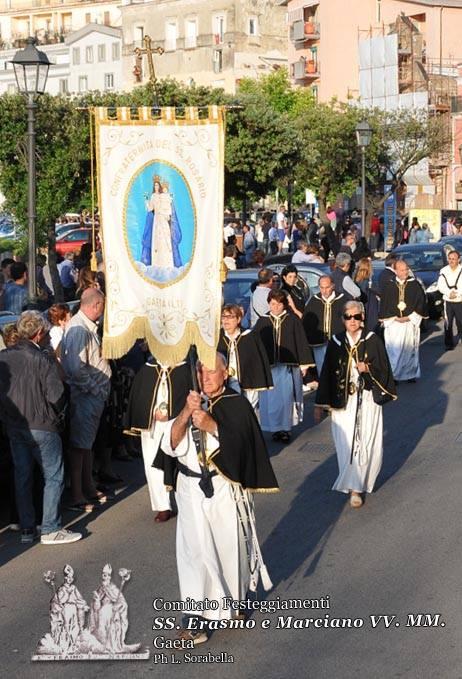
x,y
160,185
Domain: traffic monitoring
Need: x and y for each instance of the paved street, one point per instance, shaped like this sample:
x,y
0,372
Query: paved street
x,y
398,555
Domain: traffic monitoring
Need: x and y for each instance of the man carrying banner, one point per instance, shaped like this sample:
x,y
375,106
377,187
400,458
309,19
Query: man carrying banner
x,y
218,555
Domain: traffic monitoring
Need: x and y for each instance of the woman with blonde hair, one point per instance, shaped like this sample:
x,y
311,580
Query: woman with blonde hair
x,y
363,279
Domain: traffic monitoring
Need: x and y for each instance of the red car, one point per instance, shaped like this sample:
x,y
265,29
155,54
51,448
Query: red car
x,y
73,240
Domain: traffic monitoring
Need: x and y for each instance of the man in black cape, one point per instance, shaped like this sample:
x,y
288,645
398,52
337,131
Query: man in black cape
x,y
218,555
323,318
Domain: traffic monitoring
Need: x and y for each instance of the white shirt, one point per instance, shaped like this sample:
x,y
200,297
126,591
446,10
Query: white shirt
x,y
449,278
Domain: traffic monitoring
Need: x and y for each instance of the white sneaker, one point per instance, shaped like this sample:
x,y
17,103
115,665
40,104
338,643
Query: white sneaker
x,y
60,537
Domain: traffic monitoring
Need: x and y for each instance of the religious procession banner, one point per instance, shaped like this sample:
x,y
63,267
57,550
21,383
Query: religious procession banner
x,y
160,186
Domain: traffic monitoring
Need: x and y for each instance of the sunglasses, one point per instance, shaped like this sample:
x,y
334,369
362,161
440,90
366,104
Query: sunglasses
x,y
356,317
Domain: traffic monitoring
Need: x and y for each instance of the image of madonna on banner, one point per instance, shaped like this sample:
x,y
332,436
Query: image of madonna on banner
x,y
160,188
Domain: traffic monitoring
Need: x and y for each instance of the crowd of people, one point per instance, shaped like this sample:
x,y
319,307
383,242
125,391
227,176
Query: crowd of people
x,y
62,405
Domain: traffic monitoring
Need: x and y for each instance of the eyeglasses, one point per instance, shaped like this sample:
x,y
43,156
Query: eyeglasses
x,y
356,317
228,316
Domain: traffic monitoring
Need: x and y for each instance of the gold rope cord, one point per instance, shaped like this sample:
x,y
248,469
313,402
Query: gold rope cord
x,y
93,260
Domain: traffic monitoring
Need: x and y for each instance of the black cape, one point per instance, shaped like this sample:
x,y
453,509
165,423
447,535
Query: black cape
x,y
411,293
242,456
143,394
323,319
253,368
334,380
288,346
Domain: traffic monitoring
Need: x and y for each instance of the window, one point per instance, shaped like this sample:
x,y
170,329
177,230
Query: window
x,y
109,81
253,26
378,10
115,51
190,33
76,56
139,35
63,86
171,35
89,54
217,61
107,19
218,29
88,18
83,83
102,52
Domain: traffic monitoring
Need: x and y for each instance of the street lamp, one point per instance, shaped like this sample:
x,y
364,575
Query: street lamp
x,y
31,71
363,138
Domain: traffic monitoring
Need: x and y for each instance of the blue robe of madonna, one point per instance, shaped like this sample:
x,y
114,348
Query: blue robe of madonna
x,y
175,234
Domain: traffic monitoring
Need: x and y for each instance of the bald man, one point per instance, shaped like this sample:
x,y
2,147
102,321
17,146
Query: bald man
x,y
89,377
218,557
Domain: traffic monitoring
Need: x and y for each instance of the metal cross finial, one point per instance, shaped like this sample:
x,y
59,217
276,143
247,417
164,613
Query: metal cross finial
x,y
148,50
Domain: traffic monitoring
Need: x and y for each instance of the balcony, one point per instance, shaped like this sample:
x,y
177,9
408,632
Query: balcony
x,y
304,31
306,69
190,42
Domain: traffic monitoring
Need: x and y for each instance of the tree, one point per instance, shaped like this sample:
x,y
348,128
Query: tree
x,y
328,153
400,140
261,147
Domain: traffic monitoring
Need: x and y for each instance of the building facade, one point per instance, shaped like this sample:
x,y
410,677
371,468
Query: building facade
x,y
323,37
206,42
89,59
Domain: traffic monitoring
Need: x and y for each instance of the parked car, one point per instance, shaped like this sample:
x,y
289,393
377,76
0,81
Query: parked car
x,y
425,261
72,241
61,229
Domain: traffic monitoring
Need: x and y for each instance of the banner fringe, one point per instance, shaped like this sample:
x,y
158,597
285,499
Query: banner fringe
x,y
139,329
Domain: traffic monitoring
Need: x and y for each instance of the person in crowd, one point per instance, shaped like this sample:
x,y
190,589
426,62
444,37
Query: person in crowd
x,y
450,286
290,357
89,377
249,371
402,307
323,318
89,279
158,394
375,232
343,282
15,297
259,302
298,233
33,402
68,276
273,240
362,250
398,236
423,235
230,257
415,227
282,227
307,254
258,259
10,335
369,298
349,244
58,315
259,235
296,294
329,242
356,380
249,244
229,235
388,274
312,232
332,217
216,524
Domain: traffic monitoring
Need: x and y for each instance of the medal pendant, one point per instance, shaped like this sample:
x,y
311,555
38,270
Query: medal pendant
x,y
163,408
401,306
231,372
352,388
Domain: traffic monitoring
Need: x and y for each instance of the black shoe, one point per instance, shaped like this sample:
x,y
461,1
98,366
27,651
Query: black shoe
x,y
276,436
285,436
28,535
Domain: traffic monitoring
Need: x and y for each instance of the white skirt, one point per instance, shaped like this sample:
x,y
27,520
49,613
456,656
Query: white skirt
x,y
360,473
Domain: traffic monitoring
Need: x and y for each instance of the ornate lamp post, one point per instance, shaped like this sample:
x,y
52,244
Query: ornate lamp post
x,y
363,138
31,72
